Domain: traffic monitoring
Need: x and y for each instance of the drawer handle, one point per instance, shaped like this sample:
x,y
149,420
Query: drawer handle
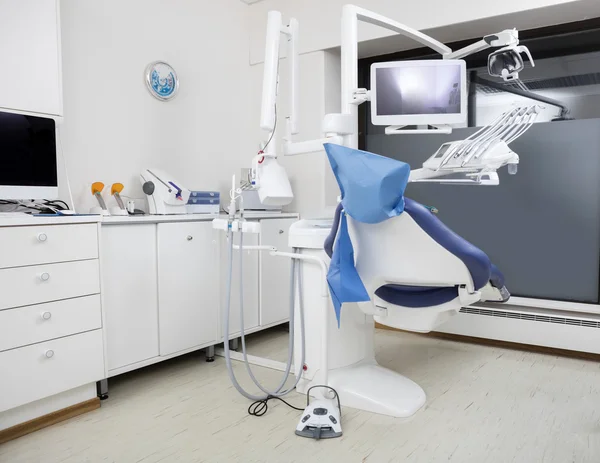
x,y
45,276
46,316
49,353
42,237
281,232
190,238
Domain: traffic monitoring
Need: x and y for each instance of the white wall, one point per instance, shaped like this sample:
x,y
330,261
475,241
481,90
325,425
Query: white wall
x,y
113,128
320,19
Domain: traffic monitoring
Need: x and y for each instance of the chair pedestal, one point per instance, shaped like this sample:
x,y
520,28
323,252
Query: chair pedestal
x,y
371,387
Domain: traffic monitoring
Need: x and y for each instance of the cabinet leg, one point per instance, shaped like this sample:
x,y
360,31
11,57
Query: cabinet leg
x,y
102,389
210,353
234,344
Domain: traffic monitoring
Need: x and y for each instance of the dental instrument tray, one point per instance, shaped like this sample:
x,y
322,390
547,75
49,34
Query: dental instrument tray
x,y
204,202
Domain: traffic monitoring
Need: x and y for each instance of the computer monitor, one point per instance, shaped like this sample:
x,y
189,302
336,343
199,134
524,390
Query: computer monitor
x,y
425,92
28,163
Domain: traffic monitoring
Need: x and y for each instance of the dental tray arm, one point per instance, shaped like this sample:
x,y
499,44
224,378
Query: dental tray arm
x,y
476,159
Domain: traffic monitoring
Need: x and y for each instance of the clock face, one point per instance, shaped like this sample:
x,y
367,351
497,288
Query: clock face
x,y
161,80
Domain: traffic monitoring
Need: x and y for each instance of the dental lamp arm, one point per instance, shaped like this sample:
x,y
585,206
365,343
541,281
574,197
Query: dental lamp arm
x,y
268,122
394,26
506,38
268,113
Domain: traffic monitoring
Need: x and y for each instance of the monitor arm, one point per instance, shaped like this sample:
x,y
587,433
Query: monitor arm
x,y
352,96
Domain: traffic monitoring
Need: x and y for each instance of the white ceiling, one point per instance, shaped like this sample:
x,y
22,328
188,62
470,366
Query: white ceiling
x,y
250,2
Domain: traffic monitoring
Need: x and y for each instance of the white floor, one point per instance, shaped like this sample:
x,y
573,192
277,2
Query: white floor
x,y
484,405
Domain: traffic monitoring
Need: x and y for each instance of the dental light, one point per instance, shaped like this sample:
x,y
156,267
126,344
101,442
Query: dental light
x,y
507,62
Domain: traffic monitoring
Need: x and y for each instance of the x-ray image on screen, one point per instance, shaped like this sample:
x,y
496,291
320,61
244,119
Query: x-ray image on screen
x,y
409,90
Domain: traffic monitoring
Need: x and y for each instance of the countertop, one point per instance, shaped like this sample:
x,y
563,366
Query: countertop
x,y
27,219
121,220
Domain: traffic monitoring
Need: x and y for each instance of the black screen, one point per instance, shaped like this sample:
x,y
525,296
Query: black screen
x,y
27,151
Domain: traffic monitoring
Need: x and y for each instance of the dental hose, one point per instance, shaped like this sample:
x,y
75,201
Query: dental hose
x,y
278,392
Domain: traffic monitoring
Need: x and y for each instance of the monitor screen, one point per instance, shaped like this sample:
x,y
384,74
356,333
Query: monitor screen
x,y
412,90
27,151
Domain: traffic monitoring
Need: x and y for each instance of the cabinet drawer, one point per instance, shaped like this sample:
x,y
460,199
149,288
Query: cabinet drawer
x,y
48,368
45,283
20,246
41,322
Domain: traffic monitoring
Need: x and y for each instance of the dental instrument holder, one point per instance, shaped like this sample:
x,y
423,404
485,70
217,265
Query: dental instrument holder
x,y
234,224
476,159
101,209
165,194
120,210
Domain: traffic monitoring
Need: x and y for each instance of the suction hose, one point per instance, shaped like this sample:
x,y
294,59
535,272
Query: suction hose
x,y
278,392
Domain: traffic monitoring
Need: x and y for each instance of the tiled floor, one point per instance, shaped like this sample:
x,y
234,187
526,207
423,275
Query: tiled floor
x,y
484,404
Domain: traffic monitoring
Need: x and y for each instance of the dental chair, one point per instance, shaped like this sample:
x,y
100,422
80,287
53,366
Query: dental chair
x,y
424,272
391,261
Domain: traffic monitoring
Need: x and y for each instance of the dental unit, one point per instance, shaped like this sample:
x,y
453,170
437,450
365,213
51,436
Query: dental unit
x,y
385,258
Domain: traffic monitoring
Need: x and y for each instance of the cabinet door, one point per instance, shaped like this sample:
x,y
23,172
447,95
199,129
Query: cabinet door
x,y
129,287
275,272
250,263
30,56
188,285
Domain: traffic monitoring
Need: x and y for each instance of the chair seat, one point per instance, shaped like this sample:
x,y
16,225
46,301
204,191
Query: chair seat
x,y
429,296
417,296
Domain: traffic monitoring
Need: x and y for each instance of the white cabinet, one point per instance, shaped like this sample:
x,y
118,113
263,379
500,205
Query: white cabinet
x,y
188,285
45,244
250,271
36,323
51,332
164,284
22,286
275,272
30,56
48,368
129,278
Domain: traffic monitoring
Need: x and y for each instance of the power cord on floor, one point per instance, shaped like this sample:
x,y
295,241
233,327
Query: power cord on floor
x,y
260,407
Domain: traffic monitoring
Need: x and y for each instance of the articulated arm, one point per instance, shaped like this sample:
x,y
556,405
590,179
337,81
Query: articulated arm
x,y
506,38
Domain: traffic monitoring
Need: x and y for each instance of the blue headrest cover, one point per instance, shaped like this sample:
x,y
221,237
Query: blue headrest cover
x,y
372,186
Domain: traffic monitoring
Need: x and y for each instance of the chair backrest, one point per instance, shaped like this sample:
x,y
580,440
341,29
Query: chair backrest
x,y
414,248
398,251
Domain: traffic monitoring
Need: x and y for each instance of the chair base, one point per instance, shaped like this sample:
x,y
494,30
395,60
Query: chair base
x,y
373,388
